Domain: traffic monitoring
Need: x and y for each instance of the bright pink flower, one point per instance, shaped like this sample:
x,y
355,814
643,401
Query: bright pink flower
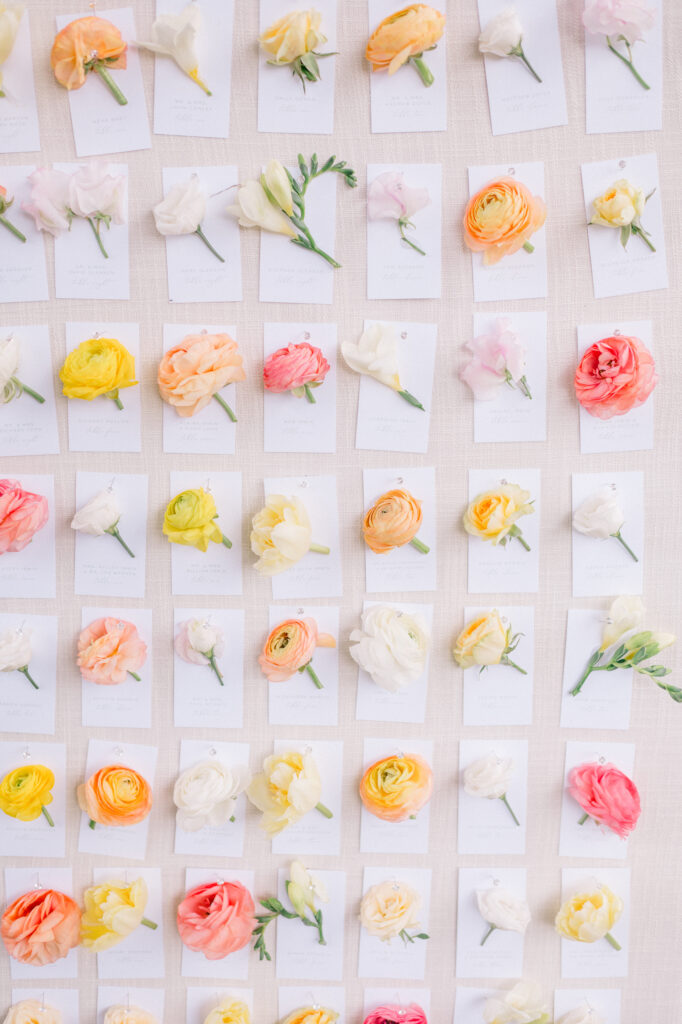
x,y
108,649
629,18
607,795
22,514
216,919
389,198
293,367
493,356
614,376
392,1014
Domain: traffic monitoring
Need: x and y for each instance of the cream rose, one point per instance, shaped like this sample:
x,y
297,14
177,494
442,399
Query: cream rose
x,y
182,210
389,908
375,354
619,206
392,646
589,916
15,649
206,794
128,1015
33,1011
489,777
483,641
502,909
523,1004
98,515
293,36
10,19
229,1011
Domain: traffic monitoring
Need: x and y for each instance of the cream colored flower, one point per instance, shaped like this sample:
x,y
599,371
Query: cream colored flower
x,y
182,210
206,794
483,641
619,206
112,911
98,515
625,614
502,34
489,777
281,534
15,649
128,1015
175,35
600,515
293,36
253,209
583,1014
523,1004
375,354
589,916
392,646
229,1011
304,888
33,1011
275,180
502,909
10,354
10,19
390,908
287,789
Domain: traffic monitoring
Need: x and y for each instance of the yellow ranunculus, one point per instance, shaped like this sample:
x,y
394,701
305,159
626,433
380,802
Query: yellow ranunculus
x,y
10,18
190,519
483,641
230,1011
619,206
492,515
288,787
293,36
311,1015
25,792
112,911
589,916
98,366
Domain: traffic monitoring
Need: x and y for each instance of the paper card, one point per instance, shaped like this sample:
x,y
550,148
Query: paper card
x,y
470,1003
403,997
410,835
591,839
35,838
217,571
99,425
108,840
396,959
597,959
149,999
606,696
517,102
140,954
284,103
219,840
605,1002
603,567
80,269
293,997
386,422
194,273
511,416
127,705
633,431
102,565
200,1001
502,954
485,825
617,270
100,124
509,569
199,699
614,99
23,271
22,707
521,275
315,575
299,954
374,704
19,131
297,701
235,966
31,572
22,880
291,274
29,427
181,107
394,269
401,102
315,833
63,999
501,695
404,568
293,424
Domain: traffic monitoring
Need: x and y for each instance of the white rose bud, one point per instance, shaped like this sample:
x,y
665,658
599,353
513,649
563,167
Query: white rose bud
x,y
98,515
9,360
203,636
600,515
206,794
182,210
582,1015
503,910
392,647
489,777
15,650
375,354
502,34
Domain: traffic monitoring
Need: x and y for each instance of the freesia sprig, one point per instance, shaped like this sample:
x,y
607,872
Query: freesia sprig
x,y
376,354
303,889
175,36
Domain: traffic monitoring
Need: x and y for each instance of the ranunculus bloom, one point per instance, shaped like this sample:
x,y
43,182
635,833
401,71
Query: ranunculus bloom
x,y
33,1011
391,1013
311,1015
175,36
389,198
628,18
294,367
496,358
112,910
492,515
229,1011
120,1014
393,520
615,375
289,647
501,218
205,794
108,650
216,919
194,370
196,641
392,646
98,366
40,927
589,916
606,794
389,908
619,206
190,519
288,788
396,788
22,514
281,534
80,42
25,791
116,796
404,35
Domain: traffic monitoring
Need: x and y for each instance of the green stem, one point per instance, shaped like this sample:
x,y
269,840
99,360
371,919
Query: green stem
x,y
47,816
320,549
420,546
411,399
584,818
424,71
308,394
487,935
324,810
2,94
24,671
402,223
516,532
307,241
225,406
528,247
318,921
10,227
138,679
643,235
113,532
612,942
226,541
627,547
149,924
633,69
91,824
29,391
522,384
95,231
110,83
206,242
512,664
508,806
518,52
214,667
591,667
313,675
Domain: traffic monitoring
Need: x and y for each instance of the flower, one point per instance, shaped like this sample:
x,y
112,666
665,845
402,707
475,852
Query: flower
x,y
625,614
488,778
627,20
375,354
10,19
15,652
486,641
606,795
601,516
95,194
194,371
49,205
98,366
523,1004
389,909
502,37
296,368
501,909
396,788
25,792
88,44
190,519
119,1014
501,218
200,643
229,1011
112,911
493,515
403,37
182,211
33,1011
100,515
389,198
109,650
290,647
287,789
175,36
303,889
10,355
589,916
115,796
583,1014
6,200
22,514
293,40
311,1015
497,358
392,521
390,1013
615,375
392,646
254,209
281,535
40,927
216,919
621,207
205,794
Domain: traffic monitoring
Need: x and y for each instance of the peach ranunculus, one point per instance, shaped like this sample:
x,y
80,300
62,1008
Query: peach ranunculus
x,y
40,927
296,368
216,919
392,521
88,44
289,648
404,36
492,515
22,514
194,371
396,788
25,792
109,650
311,1015
606,795
615,375
116,796
500,219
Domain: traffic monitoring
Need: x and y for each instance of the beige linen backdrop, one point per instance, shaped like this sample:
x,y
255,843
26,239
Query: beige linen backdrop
x,y
652,990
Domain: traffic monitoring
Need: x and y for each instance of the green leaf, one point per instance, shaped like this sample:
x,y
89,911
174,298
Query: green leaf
x,y
328,165
303,167
654,671
313,163
625,233
672,691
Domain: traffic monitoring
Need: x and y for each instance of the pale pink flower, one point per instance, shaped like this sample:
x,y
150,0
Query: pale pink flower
x,y
496,358
93,190
389,198
628,18
49,202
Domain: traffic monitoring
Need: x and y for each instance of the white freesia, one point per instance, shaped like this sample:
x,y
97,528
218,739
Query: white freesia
x,y
489,777
583,1014
93,191
10,19
392,646
501,34
128,1015
502,909
304,888
600,515
175,36
523,1004
389,908
99,515
9,360
625,614
182,210
276,180
375,354
206,794
15,649
31,1011
253,209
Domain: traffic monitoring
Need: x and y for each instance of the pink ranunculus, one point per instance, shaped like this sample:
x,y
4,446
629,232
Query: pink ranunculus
x,y
607,795
293,367
493,355
397,1014
614,376
22,514
49,201
109,649
216,919
389,198
629,18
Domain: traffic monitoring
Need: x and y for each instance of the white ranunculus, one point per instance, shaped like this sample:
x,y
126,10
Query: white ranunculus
x,y
375,354
98,515
502,909
392,646
583,1014
625,614
28,1011
182,210
489,777
523,1004
93,190
15,649
204,637
175,36
10,351
276,179
206,794
253,209
502,34
600,515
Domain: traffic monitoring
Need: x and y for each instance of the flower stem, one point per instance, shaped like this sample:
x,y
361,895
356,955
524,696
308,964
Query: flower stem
x,y
214,668
113,532
100,243
110,83
47,816
411,399
522,385
206,242
627,547
420,546
643,235
590,668
581,821
516,532
487,935
308,394
149,924
424,72
29,391
91,824
512,664
612,942
138,679
226,541
320,549
24,671
10,227
402,224
528,247
508,806
633,69
225,406
313,675
517,51
324,810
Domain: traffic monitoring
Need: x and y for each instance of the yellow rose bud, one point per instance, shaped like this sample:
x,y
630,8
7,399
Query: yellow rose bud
x,y
230,1011
482,642
25,792
293,36
112,911
98,366
619,206
493,514
190,519
589,916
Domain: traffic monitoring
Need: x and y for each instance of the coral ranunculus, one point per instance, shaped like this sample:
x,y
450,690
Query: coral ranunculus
x,y
88,44
22,514
615,375
40,927
607,795
396,788
216,919
392,521
109,650
290,647
192,372
404,36
500,219
295,368
116,796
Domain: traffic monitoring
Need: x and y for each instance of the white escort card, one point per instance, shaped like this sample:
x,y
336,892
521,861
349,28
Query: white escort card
x,y
297,700
218,570
486,825
604,1002
395,958
315,833
102,564
299,952
501,694
508,569
500,955
45,836
140,954
597,959
19,881
214,840
470,1003
23,708
200,1001
31,572
234,966
603,566
27,426
19,130
23,270
407,567
151,1000
411,835
201,700
588,838
126,705
605,696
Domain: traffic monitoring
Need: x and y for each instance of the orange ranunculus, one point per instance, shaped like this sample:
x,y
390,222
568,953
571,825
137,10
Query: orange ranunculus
x,y
395,788
403,36
115,795
289,648
501,218
192,372
40,927
83,45
393,520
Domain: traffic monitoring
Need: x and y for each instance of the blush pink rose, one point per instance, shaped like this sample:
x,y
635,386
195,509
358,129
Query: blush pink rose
x,y
293,367
629,18
389,198
614,376
216,919
493,356
193,371
289,647
109,649
607,795
392,1014
22,514
41,926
